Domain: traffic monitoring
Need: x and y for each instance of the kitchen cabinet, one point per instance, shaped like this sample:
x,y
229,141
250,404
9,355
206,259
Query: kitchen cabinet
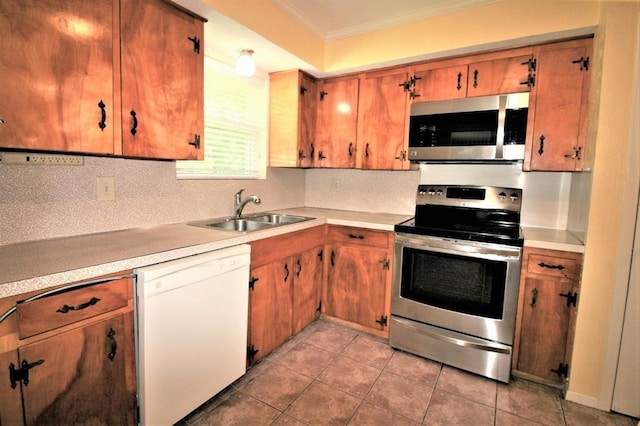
x,y
162,81
54,104
130,84
547,307
292,119
358,278
383,120
336,125
285,284
69,356
558,107
438,83
499,76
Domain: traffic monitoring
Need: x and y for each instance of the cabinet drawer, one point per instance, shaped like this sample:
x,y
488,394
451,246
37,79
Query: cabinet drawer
x,y
554,266
48,313
360,236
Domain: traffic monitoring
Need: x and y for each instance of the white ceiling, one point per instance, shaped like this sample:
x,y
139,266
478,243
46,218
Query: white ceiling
x,y
334,19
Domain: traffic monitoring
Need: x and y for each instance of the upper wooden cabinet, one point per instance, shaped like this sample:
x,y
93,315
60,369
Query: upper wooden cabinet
x,y
498,76
337,122
162,81
292,119
438,84
383,120
558,107
57,75
67,75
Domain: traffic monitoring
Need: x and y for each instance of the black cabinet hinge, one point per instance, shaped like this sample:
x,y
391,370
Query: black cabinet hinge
x,y
385,263
572,298
321,255
584,63
252,282
562,371
303,90
323,94
406,85
251,353
21,374
382,321
319,308
196,44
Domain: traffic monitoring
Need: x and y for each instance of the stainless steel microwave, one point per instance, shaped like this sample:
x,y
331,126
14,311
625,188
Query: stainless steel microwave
x,y
486,128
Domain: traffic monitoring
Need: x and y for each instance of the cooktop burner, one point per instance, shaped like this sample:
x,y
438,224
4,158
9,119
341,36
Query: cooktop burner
x,y
475,213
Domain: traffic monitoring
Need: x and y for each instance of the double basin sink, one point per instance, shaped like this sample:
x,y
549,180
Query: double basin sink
x,y
252,223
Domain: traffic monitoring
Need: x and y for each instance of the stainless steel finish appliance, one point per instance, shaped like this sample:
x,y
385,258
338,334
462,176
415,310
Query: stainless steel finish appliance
x,y
455,284
487,128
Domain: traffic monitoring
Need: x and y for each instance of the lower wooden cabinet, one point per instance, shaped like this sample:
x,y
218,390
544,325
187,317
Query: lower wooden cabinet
x,y
549,290
359,276
77,364
285,285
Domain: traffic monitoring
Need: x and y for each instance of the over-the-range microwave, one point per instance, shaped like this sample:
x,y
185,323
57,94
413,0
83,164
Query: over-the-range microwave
x,y
486,128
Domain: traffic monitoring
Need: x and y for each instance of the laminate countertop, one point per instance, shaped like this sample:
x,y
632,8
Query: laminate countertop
x,y
41,264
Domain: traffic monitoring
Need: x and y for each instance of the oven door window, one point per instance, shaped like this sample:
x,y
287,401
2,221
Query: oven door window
x,y
462,284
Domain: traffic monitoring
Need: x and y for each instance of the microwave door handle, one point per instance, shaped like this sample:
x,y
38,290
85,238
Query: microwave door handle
x,y
502,115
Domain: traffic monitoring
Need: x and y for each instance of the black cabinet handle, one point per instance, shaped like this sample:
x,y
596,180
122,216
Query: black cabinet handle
x,y
350,150
299,268
113,344
534,298
545,265
459,85
475,79
354,236
286,272
333,258
541,149
313,151
103,115
134,126
66,308
366,150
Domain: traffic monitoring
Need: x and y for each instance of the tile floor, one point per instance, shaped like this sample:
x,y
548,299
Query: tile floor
x,y
330,374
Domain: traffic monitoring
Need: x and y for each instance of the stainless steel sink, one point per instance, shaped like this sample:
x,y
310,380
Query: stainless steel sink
x,y
251,223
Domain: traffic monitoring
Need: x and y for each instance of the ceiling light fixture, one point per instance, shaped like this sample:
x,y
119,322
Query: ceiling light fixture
x,y
245,65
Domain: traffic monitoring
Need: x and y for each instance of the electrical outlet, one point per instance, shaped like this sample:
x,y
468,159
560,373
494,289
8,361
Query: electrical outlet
x,y
335,185
106,188
41,159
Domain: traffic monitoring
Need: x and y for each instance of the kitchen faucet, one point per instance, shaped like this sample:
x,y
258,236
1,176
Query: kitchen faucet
x,y
239,203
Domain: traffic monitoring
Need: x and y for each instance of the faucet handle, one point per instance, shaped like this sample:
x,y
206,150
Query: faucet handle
x,y
238,196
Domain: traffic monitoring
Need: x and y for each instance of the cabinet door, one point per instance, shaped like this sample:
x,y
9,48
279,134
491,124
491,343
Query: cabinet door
x,y
558,107
270,307
83,376
383,121
162,81
57,72
356,282
337,123
441,84
307,282
546,320
307,146
10,397
498,76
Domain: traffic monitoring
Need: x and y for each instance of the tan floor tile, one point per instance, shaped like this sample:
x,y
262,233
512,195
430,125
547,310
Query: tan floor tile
x,y
287,420
577,415
350,376
448,409
414,368
277,386
333,339
239,409
468,385
368,415
531,401
400,395
369,351
306,359
321,404
507,419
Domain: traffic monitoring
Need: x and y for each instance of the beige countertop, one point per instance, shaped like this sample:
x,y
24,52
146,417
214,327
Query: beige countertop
x,y
552,239
40,264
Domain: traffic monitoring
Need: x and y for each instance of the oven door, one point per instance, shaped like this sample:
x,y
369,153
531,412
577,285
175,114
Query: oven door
x,y
463,286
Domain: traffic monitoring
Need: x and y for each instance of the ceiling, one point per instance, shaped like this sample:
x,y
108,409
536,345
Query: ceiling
x,y
328,19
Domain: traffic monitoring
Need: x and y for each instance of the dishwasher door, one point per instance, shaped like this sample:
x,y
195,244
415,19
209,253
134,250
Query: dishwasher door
x,y
192,331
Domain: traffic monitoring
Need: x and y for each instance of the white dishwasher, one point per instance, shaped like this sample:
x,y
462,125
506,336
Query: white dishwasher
x,y
191,331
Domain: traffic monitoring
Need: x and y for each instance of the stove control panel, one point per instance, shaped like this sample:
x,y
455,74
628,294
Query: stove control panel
x,y
482,197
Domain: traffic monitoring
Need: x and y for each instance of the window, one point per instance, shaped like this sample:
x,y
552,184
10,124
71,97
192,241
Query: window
x,y
235,126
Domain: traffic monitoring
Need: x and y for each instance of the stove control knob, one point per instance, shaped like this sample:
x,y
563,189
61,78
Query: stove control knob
x,y
439,192
431,192
422,193
502,196
513,196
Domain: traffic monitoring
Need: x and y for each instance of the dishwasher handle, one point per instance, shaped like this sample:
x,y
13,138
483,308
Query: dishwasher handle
x,y
65,289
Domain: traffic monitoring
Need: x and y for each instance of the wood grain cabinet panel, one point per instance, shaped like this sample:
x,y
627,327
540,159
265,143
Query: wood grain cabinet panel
x,y
336,126
438,84
162,81
57,91
499,76
547,308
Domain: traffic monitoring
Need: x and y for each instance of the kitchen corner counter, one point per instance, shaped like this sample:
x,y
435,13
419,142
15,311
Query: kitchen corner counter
x,y
552,239
41,264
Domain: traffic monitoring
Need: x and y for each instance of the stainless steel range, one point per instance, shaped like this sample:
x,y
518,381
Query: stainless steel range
x,y
455,284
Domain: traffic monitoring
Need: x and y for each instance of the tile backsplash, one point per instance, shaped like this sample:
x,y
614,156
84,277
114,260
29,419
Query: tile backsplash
x,y
38,202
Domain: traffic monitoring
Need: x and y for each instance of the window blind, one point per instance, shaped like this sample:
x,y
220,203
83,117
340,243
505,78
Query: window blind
x,y
235,126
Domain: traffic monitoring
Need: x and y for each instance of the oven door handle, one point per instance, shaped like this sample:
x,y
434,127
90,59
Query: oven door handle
x,y
455,341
